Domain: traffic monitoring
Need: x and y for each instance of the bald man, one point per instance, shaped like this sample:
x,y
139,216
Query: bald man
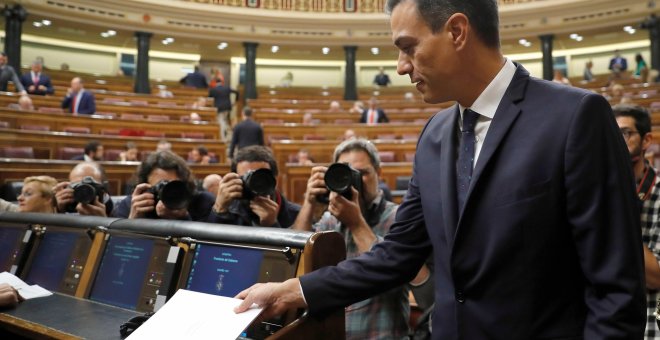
x,y
64,192
211,184
78,100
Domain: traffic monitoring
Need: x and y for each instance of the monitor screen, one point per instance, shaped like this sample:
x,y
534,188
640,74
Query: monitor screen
x,y
10,245
122,271
51,259
223,270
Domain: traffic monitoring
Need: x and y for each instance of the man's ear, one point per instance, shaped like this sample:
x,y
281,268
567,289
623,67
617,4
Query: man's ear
x,y
458,27
647,140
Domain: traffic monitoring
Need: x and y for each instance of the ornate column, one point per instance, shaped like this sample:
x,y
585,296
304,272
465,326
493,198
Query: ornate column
x,y
250,70
546,47
142,67
14,17
350,81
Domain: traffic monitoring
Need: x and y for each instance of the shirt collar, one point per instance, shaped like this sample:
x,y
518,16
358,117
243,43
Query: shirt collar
x,y
488,101
376,201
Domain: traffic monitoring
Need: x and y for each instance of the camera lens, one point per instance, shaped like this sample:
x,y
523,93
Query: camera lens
x,y
84,193
175,195
338,178
260,182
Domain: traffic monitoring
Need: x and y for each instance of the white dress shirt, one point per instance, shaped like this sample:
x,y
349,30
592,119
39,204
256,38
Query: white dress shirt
x,y
487,103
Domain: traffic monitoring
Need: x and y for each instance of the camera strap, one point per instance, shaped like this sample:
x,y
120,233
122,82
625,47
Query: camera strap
x,y
645,186
373,214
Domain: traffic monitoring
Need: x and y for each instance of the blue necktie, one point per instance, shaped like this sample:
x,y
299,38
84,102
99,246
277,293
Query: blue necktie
x,y
465,157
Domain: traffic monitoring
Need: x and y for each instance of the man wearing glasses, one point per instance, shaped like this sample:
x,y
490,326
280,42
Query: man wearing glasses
x,y
635,125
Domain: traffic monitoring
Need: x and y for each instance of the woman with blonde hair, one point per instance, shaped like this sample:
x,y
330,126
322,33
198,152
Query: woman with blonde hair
x,y
37,195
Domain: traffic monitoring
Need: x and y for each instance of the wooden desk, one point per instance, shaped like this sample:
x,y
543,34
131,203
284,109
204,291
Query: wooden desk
x,y
334,131
65,317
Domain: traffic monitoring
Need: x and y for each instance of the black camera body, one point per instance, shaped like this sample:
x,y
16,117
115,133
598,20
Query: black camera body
x,y
340,178
86,191
174,194
260,182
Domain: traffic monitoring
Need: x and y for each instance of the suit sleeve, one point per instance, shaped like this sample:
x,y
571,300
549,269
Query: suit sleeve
x,y
384,119
260,136
390,263
602,211
66,102
17,82
92,103
25,80
363,117
49,86
234,140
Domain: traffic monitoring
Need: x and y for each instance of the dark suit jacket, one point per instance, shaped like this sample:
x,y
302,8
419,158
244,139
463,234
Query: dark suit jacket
x,y
246,133
548,244
380,116
221,97
194,79
87,104
621,60
26,80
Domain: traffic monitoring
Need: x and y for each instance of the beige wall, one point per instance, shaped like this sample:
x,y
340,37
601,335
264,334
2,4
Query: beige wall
x,y
87,61
319,75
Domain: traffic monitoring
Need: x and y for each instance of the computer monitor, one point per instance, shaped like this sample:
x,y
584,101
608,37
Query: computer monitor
x,y
58,258
14,240
135,272
227,270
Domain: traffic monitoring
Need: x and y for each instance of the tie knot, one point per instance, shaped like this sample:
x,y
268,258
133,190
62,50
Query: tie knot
x,y
469,120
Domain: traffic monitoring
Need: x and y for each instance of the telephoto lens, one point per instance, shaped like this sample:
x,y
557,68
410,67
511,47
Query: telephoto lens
x,y
174,194
260,182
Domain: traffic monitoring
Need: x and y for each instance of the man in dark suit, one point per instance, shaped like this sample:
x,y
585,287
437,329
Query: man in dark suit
x,y
246,133
195,79
373,114
78,100
382,79
221,95
7,73
529,208
93,152
36,82
618,63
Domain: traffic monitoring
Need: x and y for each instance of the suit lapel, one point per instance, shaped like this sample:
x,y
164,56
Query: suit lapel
x,y
505,116
448,149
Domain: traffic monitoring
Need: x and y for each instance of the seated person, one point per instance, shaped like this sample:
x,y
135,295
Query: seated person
x,y
102,205
211,184
363,221
37,195
334,106
273,211
199,155
25,103
357,108
303,157
93,152
349,134
373,114
78,100
9,296
130,154
308,118
152,173
164,145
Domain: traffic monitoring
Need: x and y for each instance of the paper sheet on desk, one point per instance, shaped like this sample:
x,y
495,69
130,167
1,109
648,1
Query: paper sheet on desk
x,y
27,292
191,315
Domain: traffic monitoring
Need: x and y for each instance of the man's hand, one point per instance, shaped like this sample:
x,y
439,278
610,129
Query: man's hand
x,y
231,188
63,195
266,209
41,87
31,88
94,209
164,212
142,201
9,297
316,185
274,298
347,212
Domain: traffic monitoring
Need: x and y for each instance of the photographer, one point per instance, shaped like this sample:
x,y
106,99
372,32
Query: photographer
x,y
166,190
82,173
268,210
363,220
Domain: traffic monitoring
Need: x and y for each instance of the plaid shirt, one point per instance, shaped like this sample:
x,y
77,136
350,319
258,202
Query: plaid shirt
x,y
650,237
384,316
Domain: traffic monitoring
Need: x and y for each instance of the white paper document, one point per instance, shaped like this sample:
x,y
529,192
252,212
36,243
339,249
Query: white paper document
x,y
191,315
25,290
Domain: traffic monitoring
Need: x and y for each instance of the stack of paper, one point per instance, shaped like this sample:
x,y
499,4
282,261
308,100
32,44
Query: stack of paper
x,y
25,290
191,315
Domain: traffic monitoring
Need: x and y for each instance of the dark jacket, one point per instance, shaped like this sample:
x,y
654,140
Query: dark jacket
x,y
239,213
246,133
222,97
194,79
87,104
8,73
380,116
27,81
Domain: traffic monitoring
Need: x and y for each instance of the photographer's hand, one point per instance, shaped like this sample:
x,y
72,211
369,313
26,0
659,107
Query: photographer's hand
x,y
266,209
95,209
316,185
350,215
63,196
142,201
230,188
164,212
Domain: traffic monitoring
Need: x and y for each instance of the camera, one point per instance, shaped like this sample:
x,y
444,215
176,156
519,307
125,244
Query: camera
x,y
260,182
174,194
340,178
86,191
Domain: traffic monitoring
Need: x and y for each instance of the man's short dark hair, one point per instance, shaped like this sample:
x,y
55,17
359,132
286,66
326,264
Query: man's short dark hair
x,y
247,111
255,153
203,151
638,113
166,160
92,146
481,13
131,145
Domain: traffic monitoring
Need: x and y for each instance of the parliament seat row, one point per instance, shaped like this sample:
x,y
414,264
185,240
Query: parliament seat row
x,y
110,270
